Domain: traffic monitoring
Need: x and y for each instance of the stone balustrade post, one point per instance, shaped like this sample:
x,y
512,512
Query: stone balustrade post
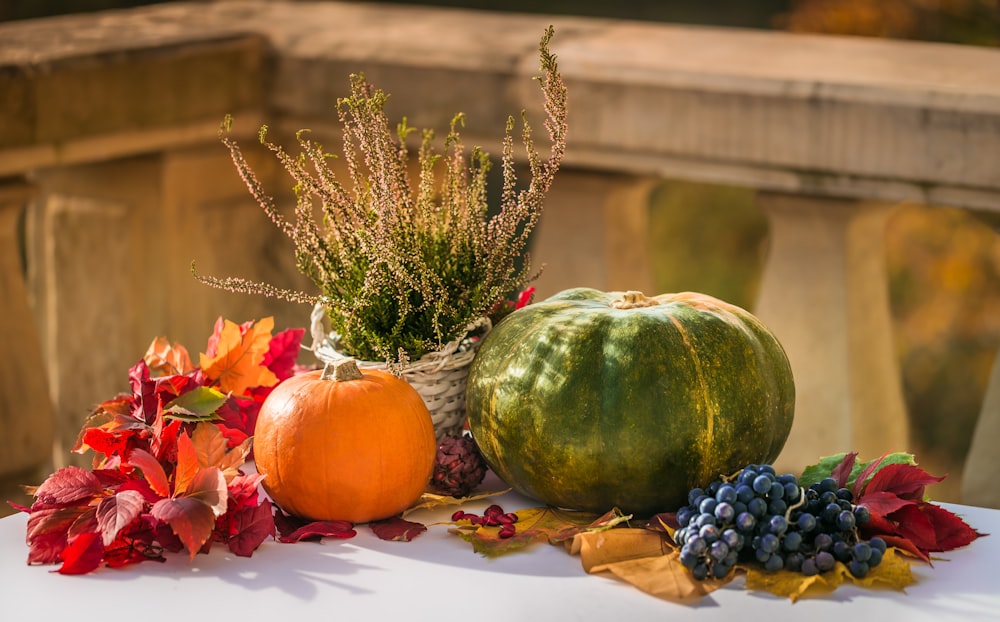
x,y
594,232
825,295
26,420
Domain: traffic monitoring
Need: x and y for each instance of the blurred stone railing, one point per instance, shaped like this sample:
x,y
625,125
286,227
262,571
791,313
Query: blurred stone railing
x,y
113,179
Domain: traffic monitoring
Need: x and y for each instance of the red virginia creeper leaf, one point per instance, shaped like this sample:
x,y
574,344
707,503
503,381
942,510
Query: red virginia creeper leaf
x,y
283,351
191,519
396,529
83,554
904,480
116,512
209,486
252,525
950,531
67,485
906,545
883,503
915,526
294,529
842,472
152,470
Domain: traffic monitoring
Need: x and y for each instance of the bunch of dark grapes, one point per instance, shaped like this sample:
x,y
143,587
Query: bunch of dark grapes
x,y
759,515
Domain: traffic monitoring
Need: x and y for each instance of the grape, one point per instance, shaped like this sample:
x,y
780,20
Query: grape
x,y
762,484
862,551
877,544
774,563
719,550
845,494
824,561
776,507
725,512
696,544
858,569
757,507
777,491
792,541
862,515
744,493
828,484
700,571
845,520
721,569
769,542
778,524
745,522
694,494
809,567
726,494
806,522
708,505
875,558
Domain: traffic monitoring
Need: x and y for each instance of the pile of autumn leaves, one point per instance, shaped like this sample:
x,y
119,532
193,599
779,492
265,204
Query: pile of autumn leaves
x,y
166,472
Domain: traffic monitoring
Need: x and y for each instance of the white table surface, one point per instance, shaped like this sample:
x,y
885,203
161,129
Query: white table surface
x,y
438,577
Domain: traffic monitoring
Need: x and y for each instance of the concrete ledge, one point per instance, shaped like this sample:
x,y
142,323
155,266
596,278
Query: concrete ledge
x,y
835,116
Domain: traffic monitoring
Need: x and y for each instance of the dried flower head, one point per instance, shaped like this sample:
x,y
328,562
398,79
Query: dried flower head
x,y
404,270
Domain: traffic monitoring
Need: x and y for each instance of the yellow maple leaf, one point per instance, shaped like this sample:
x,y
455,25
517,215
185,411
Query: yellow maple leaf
x,y
237,363
893,573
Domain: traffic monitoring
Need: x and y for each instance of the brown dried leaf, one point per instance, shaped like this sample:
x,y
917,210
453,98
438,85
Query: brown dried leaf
x,y
598,549
663,576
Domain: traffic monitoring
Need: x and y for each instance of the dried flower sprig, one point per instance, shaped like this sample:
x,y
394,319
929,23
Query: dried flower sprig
x,y
402,271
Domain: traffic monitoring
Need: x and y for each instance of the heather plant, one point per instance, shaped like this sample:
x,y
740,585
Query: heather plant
x,y
403,269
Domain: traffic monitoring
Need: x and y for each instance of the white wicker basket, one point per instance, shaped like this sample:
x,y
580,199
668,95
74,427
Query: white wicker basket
x,y
439,377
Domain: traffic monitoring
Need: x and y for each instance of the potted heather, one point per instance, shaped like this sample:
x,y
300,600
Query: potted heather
x,y
408,271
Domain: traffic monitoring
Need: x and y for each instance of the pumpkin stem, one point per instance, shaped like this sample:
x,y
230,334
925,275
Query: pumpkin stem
x,y
634,299
342,370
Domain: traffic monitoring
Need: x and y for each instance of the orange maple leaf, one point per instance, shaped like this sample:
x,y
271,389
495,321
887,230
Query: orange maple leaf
x,y
164,359
237,366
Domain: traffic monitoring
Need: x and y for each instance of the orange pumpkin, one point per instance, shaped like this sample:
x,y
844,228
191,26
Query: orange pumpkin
x,y
342,444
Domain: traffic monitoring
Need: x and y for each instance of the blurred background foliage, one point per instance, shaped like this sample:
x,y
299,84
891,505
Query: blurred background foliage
x,y
943,264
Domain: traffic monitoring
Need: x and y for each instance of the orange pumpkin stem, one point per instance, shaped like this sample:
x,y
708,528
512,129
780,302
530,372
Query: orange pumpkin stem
x,y
342,370
634,299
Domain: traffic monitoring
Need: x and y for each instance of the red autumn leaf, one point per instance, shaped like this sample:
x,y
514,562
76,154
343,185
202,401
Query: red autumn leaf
x,y
67,485
842,472
209,486
283,351
396,529
294,529
883,503
915,526
116,512
249,527
146,403
190,518
904,480
83,554
46,548
86,522
48,519
951,532
152,470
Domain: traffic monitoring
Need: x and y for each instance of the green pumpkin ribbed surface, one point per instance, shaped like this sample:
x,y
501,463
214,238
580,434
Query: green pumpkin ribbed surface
x,y
584,406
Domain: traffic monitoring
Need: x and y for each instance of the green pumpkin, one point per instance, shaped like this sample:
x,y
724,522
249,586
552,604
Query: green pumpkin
x,y
591,400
